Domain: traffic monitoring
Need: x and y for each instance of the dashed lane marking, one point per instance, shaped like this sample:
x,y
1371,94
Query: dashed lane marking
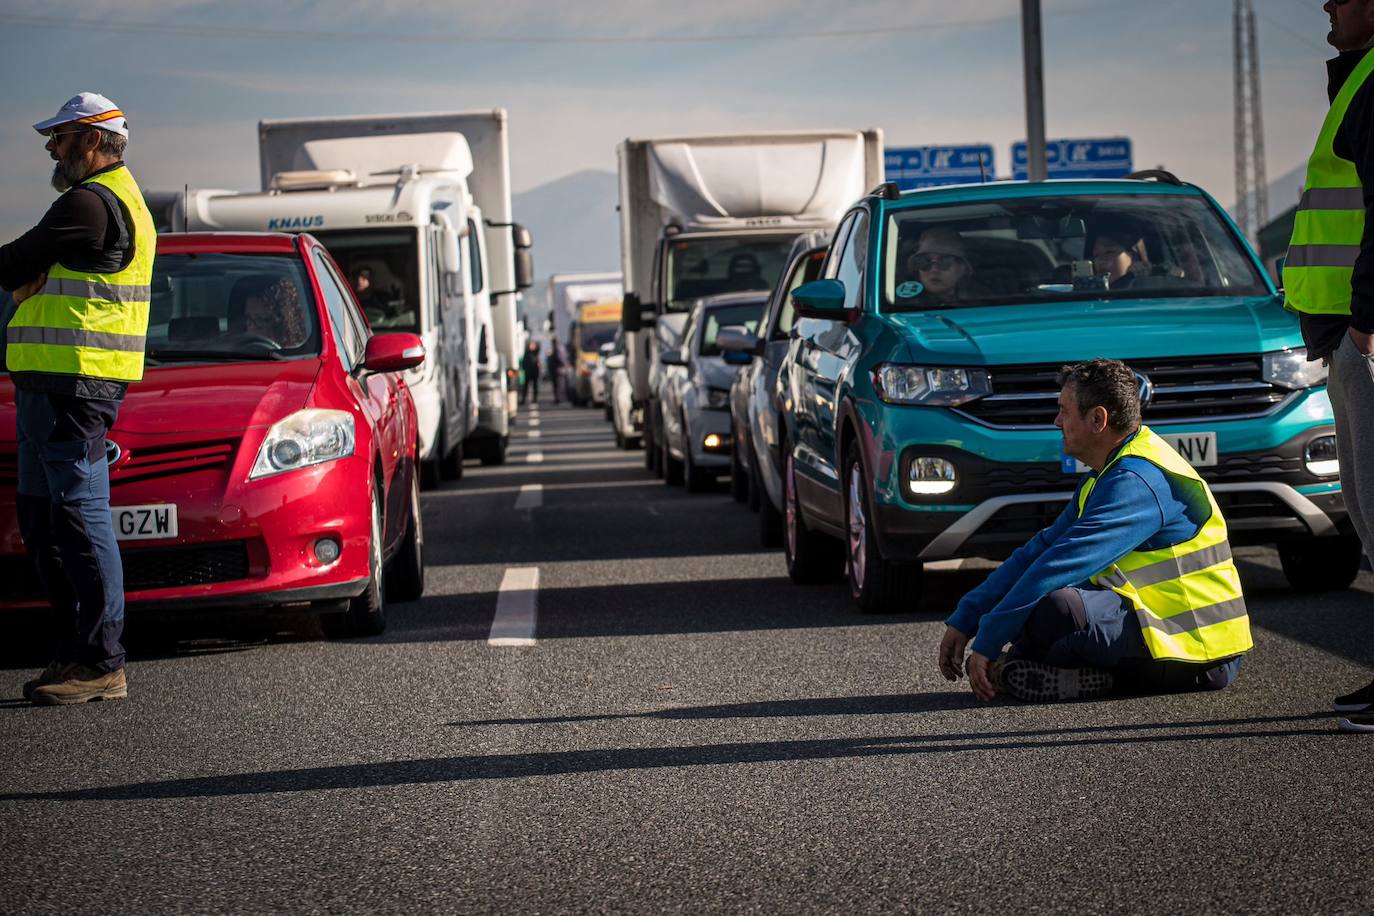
x,y
531,496
516,608
534,434
534,458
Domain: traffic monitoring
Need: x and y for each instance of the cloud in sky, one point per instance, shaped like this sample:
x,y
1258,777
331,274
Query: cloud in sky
x,y
1159,73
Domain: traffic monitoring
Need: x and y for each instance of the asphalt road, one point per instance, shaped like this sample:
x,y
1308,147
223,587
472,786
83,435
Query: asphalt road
x,y
688,732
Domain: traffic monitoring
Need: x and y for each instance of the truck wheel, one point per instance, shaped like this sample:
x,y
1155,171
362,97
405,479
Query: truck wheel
x,y
405,579
876,584
366,614
672,468
493,451
1321,564
811,556
739,478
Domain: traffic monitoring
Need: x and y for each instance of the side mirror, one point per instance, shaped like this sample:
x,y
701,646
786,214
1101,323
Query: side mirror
x,y
393,352
821,299
520,237
631,313
616,362
606,349
736,357
735,338
673,357
451,259
524,269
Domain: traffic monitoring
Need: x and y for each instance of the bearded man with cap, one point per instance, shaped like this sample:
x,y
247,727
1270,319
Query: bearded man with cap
x,y
81,282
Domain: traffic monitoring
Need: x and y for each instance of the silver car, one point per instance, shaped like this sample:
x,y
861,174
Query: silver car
x,y
694,390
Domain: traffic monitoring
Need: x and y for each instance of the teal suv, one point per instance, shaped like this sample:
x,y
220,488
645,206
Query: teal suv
x,y
919,388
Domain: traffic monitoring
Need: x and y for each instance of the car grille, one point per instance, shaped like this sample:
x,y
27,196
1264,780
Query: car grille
x,y
1014,479
137,464
150,567
1183,390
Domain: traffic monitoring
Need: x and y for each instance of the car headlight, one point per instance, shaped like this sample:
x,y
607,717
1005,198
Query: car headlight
x,y
718,398
1290,369
306,437
898,384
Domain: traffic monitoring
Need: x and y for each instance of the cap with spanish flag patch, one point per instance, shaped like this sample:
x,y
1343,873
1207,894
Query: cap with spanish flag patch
x,y
89,109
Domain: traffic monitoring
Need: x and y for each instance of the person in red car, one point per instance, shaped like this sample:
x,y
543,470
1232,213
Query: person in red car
x,y
81,279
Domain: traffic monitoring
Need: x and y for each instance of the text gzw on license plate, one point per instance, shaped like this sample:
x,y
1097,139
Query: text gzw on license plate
x,y
1198,449
142,523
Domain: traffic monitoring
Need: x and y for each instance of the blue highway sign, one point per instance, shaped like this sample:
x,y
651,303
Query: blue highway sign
x,y
914,167
1105,157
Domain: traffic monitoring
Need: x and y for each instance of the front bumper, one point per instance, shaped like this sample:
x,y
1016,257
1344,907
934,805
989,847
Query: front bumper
x,y
702,423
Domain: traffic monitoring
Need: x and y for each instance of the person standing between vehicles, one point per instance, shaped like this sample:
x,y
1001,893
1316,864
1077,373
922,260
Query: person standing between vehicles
x,y
81,279
1328,276
530,363
555,368
1132,588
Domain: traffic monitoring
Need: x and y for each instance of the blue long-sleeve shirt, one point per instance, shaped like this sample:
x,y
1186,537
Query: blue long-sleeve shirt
x,y
1133,506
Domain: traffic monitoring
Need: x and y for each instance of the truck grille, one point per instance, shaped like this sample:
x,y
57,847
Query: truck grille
x,y
1182,390
145,568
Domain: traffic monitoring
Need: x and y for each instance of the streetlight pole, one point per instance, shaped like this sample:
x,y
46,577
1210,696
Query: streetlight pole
x,y
1035,89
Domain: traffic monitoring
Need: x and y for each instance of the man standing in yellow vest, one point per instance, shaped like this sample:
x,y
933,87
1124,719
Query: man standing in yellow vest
x,y
1328,276
1132,588
81,282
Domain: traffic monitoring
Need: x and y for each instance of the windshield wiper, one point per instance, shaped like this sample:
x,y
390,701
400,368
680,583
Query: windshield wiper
x,y
165,355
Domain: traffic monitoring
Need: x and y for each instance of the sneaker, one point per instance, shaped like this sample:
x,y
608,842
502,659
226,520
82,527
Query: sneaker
x,y
82,685
1360,722
55,672
1036,682
1359,701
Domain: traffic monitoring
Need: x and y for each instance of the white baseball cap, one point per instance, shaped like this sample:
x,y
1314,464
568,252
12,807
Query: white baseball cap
x,y
90,109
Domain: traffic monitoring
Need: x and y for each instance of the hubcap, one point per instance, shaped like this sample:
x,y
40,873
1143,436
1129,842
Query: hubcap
x,y
858,530
790,507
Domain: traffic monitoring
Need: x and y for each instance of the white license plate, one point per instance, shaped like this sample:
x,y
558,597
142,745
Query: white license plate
x,y
144,523
1198,449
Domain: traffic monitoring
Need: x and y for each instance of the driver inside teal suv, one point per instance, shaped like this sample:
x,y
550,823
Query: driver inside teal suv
x,y
919,412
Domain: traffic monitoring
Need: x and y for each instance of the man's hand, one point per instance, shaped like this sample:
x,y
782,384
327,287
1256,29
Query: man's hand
x,y
952,646
979,678
30,289
1363,342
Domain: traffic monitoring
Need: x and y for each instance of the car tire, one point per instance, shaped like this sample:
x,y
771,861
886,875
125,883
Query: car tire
x,y
811,557
1321,564
366,614
610,415
672,468
651,453
697,479
876,584
493,451
756,496
431,470
739,479
451,465
619,439
406,577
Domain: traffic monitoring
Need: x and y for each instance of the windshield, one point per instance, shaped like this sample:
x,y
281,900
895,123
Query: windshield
x,y
382,266
710,266
992,252
746,314
590,337
230,307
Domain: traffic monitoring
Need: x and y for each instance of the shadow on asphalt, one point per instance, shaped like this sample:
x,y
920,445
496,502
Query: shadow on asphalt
x,y
1338,622
557,763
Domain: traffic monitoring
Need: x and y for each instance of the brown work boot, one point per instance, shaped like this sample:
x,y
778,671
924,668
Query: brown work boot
x,y
55,672
81,685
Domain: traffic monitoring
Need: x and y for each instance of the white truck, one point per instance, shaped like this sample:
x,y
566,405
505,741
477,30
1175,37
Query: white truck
x,y
567,293
700,216
416,210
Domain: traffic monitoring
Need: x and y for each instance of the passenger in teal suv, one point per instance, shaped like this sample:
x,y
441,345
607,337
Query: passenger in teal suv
x,y
1131,588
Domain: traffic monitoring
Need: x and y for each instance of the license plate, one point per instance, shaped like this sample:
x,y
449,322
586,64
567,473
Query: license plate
x,y
1198,449
144,523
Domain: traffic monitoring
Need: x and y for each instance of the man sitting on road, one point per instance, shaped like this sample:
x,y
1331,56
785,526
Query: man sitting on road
x,y
1132,588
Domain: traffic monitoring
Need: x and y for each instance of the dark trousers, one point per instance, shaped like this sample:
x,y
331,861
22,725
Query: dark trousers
x,y
1097,628
64,518
531,389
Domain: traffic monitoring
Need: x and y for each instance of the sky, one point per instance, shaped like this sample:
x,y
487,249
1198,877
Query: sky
x,y
195,76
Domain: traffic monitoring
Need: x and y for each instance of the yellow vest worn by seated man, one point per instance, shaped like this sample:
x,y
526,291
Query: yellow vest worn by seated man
x,y
1329,223
91,324
1187,597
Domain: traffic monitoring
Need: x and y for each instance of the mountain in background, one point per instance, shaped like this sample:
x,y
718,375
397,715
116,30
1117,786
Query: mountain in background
x,y
575,227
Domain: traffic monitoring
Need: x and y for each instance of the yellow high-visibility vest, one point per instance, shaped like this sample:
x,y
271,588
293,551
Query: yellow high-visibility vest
x,y
1187,597
1329,222
87,324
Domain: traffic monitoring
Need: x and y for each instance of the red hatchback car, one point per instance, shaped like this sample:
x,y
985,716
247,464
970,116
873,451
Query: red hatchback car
x,y
267,458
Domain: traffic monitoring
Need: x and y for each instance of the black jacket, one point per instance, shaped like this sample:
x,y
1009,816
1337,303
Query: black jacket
x,y
1354,141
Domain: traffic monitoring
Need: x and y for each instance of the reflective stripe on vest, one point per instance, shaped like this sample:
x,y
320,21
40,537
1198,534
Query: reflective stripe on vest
x,y
89,324
1329,223
1187,597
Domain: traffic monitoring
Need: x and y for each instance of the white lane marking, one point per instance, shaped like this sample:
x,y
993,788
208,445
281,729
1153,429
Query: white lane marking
x,y
534,458
534,421
534,434
516,608
531,496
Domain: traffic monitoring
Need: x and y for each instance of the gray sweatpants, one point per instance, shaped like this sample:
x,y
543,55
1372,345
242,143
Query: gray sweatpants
x,y
1351,386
